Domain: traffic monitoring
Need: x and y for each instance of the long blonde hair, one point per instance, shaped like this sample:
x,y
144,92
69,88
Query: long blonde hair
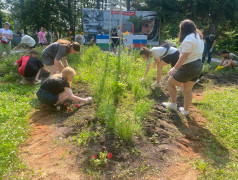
x,y
65,73
68,44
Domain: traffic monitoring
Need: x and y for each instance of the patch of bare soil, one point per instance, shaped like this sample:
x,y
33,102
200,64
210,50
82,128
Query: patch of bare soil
x,y
223,79
165,151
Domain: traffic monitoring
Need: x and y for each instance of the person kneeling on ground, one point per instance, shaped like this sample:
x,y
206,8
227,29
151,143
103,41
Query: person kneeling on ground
x,y
26,41
164,55
30,67
56,89
55,52
229,60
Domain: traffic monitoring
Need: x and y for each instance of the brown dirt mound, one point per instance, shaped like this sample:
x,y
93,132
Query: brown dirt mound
x,y
170,143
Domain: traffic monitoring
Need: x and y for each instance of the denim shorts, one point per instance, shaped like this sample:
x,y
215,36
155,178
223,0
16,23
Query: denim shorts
x,y
47,98
189,72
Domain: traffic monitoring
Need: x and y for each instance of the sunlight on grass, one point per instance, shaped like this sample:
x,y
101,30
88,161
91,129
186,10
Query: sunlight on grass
x,y
221,109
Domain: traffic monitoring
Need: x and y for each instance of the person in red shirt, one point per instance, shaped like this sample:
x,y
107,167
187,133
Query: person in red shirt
x,y
30,67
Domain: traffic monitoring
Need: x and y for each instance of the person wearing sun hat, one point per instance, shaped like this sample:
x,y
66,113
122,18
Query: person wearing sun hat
x,y
6,36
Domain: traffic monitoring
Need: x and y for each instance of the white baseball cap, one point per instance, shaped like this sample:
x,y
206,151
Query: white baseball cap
x,y
7,23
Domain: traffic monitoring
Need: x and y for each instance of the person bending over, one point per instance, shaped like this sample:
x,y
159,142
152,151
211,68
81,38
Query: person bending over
x,y
188,68
29,68
56,89
54,53
163,55
26,41
229,60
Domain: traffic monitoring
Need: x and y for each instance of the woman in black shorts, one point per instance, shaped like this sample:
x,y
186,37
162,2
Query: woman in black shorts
x,y
189,66
56,89
164,55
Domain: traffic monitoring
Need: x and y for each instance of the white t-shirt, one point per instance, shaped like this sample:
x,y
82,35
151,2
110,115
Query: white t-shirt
x,y
160,51
28,40
193,45
6,34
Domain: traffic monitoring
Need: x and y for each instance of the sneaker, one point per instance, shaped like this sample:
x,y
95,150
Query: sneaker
x,y
184,112
172,106
156,84
198,80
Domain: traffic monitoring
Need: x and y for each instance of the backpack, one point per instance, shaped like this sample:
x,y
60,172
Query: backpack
x,y
167,46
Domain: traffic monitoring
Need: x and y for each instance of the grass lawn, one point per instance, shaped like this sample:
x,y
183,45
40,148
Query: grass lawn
x,y
16,101
221,109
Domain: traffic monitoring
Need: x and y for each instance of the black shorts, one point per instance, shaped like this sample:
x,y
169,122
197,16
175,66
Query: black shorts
x,y
171,58
115,41
189,72
47,98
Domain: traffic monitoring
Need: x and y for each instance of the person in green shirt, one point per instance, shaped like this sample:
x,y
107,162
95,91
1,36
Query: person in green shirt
x,y
229,60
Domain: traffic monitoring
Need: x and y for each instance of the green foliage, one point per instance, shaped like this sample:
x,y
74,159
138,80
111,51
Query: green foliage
x,y
229,41
16,101
121,98
84,137
102,160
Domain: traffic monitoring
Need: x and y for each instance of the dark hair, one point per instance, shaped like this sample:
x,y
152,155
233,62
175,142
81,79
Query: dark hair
x,y
145,51
224,51
32,52
66,43
19,33
212,37
187,27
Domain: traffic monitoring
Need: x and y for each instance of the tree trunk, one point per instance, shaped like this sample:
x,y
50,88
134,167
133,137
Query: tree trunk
x,y
0,19
98,4
23,15
128,5
70,15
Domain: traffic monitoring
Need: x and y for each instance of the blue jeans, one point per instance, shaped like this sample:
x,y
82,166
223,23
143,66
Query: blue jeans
x,y
205,52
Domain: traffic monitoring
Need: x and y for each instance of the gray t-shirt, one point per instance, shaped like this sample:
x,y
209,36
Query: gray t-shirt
x,y
54,51
233,56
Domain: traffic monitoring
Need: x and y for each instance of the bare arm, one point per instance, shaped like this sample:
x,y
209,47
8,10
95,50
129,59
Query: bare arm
x,y
46,70
222,61
56,64
181,60
147,70
75,98
213,44
228,63
0,35
37,75
65,62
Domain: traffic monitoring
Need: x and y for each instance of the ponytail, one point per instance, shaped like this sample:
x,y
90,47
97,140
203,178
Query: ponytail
x,y
68,44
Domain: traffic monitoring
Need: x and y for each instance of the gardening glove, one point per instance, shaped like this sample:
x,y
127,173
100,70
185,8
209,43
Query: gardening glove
x,y
172,71
211,50
89,99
